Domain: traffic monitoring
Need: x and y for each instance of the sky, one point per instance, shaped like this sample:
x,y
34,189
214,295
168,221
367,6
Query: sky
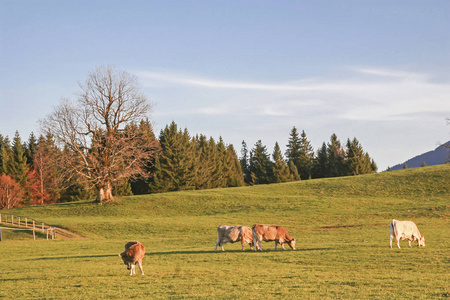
x,y
243,70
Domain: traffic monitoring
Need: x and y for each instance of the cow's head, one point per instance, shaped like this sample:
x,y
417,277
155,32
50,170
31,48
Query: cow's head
x,y
421,241
292,244
125,261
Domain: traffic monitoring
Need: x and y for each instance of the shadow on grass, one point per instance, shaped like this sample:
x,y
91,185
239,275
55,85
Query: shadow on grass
x,y
186,252
71,257
235,251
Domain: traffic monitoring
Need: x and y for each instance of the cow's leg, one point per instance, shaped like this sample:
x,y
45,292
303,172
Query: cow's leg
x,y
282,246
409,241
258,245
140,267
391,237
397,240
219,243
131,269
243,244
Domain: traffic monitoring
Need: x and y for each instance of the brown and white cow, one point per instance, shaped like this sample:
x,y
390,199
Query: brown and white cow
x,y
234,234
134,253
269,233
401,230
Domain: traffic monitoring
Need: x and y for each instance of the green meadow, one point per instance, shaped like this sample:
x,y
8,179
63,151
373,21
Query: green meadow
x,y
341,226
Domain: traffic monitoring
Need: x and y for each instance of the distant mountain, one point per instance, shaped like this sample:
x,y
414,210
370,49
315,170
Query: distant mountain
x,y
436,157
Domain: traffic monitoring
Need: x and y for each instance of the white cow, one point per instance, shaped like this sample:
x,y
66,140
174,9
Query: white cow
x,y
234,234
401,230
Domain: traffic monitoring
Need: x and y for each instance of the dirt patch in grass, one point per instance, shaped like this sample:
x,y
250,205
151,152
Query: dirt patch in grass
x,y
351,226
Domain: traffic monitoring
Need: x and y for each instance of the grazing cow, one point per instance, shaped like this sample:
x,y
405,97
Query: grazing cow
x,y
401,230
134,253
234,234
275,233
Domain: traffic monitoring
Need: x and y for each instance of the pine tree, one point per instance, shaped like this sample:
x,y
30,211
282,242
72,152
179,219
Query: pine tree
x,y
203,163
222,168
141,184
234,176
294,172
30,148
373,166
336,158
5,154
293,148
175,164
358,162
321,162
244,160
306,157
17,165
280,170
260,165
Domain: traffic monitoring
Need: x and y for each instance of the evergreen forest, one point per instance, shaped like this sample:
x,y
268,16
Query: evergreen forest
x,y
31,175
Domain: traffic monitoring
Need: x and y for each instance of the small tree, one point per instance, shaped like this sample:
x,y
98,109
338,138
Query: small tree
x,y
99,145
11,193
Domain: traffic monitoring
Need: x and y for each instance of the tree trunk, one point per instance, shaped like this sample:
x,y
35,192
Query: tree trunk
x,y
104,193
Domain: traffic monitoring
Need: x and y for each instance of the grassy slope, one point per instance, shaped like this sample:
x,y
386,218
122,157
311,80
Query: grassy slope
x,y
179,231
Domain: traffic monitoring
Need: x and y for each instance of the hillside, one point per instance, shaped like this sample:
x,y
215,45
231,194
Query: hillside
x,y
341,227
437,156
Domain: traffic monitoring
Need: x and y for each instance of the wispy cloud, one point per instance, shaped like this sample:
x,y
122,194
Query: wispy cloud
x,y
368,94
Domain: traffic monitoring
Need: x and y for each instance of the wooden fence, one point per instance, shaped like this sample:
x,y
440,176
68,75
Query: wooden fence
x,y
24,223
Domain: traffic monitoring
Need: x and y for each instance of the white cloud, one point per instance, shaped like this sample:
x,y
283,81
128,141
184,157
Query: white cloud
x,y
392,95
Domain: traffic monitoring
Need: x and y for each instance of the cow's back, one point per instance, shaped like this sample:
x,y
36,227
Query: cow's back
x,y
269,232
228,233
129,244
134,252
405,228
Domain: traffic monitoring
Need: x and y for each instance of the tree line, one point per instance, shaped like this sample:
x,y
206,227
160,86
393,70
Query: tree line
x,y
31,172
301,162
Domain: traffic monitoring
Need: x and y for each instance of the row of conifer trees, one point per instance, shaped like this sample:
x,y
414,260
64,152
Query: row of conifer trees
x,y
183,162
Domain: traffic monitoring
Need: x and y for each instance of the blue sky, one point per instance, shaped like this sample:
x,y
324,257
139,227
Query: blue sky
x,y
243,70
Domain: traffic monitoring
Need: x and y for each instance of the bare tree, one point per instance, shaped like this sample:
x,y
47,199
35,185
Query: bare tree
x,y
98,135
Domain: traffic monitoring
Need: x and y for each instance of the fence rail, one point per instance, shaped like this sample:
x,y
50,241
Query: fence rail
x,y
19,222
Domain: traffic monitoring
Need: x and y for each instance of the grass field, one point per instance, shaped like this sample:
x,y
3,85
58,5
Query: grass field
x,y
341,226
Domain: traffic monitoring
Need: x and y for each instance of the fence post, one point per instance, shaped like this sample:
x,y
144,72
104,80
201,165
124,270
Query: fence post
x,y
43,227
12,219
0,234
0,217
47,234
19,222
26,222
34,234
